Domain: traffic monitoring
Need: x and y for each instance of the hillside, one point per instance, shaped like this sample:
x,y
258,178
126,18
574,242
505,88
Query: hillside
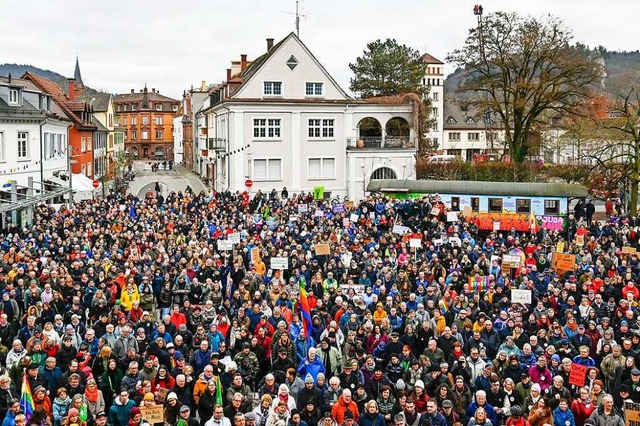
x,y
620,67
17,71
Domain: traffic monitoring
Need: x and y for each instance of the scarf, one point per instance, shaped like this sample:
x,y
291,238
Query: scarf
x,y
92,396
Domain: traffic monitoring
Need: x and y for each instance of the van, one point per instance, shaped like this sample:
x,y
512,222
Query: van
x,y
441,158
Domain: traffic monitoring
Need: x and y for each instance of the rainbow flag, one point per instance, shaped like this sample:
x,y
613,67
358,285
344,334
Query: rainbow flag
x,y
305,311
444,306
479,284
26,398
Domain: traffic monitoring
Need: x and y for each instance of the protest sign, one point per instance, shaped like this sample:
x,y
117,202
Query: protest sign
x,y
153,414
234,237
520,296
322,249
225,245
415,243
578,374
563,261
303,208
279,263
354,217
452,216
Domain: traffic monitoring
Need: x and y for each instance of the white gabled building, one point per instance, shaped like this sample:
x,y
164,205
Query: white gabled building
x,y
283,121
33,136
434,79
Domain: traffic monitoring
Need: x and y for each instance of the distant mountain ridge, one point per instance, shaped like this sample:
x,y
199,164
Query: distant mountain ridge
x,y
18,70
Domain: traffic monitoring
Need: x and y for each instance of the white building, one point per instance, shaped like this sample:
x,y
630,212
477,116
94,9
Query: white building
x,y
283,121
434,78
178,143
33,136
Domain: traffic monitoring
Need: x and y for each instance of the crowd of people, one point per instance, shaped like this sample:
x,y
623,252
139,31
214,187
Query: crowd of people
x,y
120,305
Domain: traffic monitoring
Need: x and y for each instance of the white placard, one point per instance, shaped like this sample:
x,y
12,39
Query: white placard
x,y
415,243
234,237
438,242
496,226
303,208
511,259
225,245
520,296
319,213
293,218
372,215
354,217
401,230
280,263
455,241
452,216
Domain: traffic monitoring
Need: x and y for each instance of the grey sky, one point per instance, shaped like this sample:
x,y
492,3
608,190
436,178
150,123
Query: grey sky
x,y
171,45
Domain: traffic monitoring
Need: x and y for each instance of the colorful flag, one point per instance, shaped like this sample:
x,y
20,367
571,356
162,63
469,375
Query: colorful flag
x,y
479,284
26,398
305,311
444,306
218,391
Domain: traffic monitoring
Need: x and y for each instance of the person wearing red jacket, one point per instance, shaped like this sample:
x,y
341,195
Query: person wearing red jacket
x,y
582,407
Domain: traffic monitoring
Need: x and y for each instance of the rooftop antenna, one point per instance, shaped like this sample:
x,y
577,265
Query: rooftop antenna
x,y
299,14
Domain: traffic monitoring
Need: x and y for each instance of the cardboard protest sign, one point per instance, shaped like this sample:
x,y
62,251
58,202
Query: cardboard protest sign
x,y
563,261
415,243
520,296
153,415
322,249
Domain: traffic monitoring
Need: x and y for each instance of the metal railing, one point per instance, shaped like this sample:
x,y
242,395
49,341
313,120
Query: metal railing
x,y
380,142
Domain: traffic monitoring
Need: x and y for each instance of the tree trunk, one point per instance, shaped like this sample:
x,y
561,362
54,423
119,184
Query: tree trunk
x,y
633,208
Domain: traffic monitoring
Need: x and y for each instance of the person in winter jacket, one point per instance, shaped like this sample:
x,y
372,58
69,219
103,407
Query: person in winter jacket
x,y
540,414
540,374
371,416
481,401
345,402
582,407
606,414
432,417
312,364
562,416
61,405
119,411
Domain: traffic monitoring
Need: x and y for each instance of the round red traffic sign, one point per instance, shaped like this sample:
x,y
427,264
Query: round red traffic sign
x,y
96,183
248,183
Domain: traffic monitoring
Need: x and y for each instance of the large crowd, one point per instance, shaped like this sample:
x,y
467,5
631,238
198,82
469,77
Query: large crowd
x,y
122,311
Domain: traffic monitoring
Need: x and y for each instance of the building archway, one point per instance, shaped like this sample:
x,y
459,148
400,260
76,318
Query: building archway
x,y
383,173
398,133
369,133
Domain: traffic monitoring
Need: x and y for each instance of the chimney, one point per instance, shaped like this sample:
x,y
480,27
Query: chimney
x,y
228,74
153,90
72,88
9,78
243,62
133,91
269,44
203,85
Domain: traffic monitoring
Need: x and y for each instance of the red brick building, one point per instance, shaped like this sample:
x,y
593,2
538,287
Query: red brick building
x,y
147,117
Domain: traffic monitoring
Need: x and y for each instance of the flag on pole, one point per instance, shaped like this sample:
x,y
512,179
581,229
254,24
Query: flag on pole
x,y
26,398
444,306
218,391
305,311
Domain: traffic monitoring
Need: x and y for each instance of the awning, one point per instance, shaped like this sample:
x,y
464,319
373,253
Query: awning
x,y
80,182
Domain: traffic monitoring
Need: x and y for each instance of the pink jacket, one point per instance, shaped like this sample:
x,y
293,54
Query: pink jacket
x,y
543,378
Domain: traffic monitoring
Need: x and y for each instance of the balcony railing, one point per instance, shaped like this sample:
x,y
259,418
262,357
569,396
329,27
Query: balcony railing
x,y
217,143
381,142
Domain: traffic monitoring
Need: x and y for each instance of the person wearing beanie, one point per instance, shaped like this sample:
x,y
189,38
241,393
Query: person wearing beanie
x,y
533,398
135,416
309,393
120,410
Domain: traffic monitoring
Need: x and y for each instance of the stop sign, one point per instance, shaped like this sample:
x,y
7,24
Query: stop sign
x,y
96,183
248,183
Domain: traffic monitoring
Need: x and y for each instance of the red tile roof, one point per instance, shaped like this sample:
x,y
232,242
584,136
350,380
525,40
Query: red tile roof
x,y
60,97
430,59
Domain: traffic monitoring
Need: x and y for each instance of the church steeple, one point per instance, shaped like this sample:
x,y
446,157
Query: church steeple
x,y
77,76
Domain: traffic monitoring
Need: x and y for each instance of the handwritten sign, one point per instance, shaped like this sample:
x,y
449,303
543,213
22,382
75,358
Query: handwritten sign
x,y
338,208
560,247
452,216
520,296
631,413
279,263
578,374
303,208
563,261
628,250
225,245
348,204
153,414
496,226
435,211
319,213
579,240
511,260
255,255
234,237
400,230
322,249
415,243
354,217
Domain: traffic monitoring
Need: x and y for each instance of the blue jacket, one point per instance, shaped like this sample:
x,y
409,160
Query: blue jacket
x,y
491,414
436,420
10,420
302,347
367,420
312,368
563,418
119,414
51,378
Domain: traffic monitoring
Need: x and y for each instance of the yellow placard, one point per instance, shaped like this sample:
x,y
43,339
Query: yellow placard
x,y
153,414
563,261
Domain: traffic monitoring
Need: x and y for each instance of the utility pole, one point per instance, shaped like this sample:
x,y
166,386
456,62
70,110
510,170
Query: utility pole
x,y
478,11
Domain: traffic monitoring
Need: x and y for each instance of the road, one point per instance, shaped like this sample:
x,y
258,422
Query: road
x,y
170,180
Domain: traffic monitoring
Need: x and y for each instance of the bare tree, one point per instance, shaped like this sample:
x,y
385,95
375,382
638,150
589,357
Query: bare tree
x,y
526,70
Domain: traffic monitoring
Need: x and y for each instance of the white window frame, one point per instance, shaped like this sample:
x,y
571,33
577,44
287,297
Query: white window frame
x,y
22,140
134,107
158,134
158,120
475,138
267,164
269,88
2,158
89,143
158,107
321,128
134,120
269,129
435,96
312,86
322,175
145,135
145,120
14,96
457,137
83,144
89,169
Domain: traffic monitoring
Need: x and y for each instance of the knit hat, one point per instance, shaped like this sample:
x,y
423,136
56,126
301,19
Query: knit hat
x,y
148,397
172,395
401,385
73,412
536,387
308,378
134,411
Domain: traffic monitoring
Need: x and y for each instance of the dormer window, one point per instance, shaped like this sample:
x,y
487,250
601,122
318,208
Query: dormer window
x,y
133,107
471,121
451,120
158,107
13,96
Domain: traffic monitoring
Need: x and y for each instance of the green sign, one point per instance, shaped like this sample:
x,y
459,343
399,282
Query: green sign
x,y
318,192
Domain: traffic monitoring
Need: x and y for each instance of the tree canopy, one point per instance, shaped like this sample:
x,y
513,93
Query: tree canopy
x,y
526,70
387,68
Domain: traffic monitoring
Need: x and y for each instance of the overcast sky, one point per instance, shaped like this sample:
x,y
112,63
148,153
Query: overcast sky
x,y
171,45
